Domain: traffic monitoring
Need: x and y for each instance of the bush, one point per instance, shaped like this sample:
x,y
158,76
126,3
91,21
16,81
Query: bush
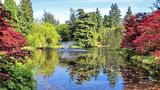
x,y
19,76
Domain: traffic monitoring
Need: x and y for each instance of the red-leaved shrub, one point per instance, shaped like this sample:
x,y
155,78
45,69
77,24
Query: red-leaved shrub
x,y
142,33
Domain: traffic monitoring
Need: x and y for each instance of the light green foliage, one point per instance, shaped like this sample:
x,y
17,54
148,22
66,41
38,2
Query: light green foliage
x,y
112,37
45,61
22,76
11,6
49,18
63,31
43,35
25,17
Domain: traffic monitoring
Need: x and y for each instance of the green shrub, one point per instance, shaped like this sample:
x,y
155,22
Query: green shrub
x,y
21,76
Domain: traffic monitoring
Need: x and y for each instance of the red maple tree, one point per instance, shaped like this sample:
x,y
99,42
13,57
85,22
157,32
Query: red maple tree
x,y
143,33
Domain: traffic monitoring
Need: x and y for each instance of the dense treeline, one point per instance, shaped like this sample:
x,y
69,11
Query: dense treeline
x,y
92,29
88,29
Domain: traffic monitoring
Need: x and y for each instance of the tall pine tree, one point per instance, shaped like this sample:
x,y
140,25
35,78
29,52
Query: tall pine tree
x,y
49,18
128,13
106,21
157,5
26,16
114,15
99,21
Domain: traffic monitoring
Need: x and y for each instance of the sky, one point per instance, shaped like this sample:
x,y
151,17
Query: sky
x,y
60,8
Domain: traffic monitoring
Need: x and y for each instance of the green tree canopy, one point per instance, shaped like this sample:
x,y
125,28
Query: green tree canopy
x,y
49,18
114,15
63,31
26,16
43,35
128,13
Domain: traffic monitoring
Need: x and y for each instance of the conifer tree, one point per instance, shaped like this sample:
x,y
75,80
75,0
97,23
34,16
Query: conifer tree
x,y
128,13
106,21
114,15
26,16
157,4
99,21
49,18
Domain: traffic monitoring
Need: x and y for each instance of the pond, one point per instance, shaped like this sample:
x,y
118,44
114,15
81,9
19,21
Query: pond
x,y
94,69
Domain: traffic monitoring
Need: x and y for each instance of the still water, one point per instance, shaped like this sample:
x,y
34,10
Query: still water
x,y
94,69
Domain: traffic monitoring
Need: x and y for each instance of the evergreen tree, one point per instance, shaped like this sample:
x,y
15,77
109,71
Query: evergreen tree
x,y
12,7
106,21
157,4
114,15
72,15
26,16
49,18
99,21
128,13
82,29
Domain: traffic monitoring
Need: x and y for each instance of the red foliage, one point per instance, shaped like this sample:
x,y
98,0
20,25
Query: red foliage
x,y
143,35
9,38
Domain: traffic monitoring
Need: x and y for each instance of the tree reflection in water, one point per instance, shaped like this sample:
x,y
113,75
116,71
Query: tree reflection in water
x,y
86,67
89,65
45,61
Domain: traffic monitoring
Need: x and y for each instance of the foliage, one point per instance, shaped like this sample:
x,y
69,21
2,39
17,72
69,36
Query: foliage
x,y
19,76
45,61
43,35
10,41
63,31
128,13
157,4
114,15
12,7
49,18
25,17
112,37
143,32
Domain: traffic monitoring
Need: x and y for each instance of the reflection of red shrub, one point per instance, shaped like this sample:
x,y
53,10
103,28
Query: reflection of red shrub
x,y
143,35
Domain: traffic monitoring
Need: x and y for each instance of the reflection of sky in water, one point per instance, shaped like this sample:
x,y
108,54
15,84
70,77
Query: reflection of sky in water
x,y
60,80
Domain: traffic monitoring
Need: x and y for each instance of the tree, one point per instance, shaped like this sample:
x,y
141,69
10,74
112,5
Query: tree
x,y
114,15
72,15
157,4
99,21
63,31
128,13
25,17
11,41
49,18
43,35
143,33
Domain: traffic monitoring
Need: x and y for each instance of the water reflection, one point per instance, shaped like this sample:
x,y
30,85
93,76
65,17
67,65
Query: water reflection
x,y
45,61
97,69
